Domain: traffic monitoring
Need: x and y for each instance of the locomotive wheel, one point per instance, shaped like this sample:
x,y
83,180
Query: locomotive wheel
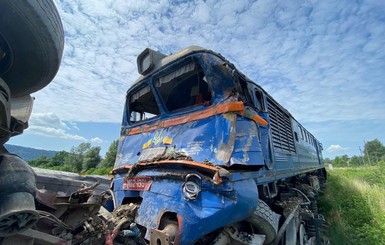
x,y
296,235
265,221
291,233
301,235
31,44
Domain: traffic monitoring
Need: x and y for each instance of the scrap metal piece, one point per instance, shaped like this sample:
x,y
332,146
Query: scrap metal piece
x,y
231,235
44,238
66,183
159,237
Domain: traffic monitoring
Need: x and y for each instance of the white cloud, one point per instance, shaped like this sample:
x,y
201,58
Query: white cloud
x,y
97,140
54,132
319,59
49,119
73,125
322,60
336,149
50,125
202,13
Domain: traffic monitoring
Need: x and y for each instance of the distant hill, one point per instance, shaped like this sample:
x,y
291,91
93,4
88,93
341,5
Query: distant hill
x,y
28,153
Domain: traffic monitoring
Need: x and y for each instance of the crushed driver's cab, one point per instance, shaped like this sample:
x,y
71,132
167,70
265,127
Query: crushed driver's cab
x,y
202,149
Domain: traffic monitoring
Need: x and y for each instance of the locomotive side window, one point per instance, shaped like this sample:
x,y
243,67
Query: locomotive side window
x,y
184,87
142,105
259,100
296,136
305,135
245,94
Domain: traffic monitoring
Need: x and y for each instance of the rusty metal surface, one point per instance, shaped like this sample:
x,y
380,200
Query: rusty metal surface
x,y
78,217
159,237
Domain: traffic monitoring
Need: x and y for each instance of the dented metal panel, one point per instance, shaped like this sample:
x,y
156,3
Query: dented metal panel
x,y
195,166
172,146
207,213
208,140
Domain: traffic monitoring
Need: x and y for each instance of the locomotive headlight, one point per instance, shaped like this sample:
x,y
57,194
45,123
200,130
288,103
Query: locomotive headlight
x,y
192,186
149,60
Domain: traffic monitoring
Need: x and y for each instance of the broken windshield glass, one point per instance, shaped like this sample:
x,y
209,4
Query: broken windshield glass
x,y
184,87
143,105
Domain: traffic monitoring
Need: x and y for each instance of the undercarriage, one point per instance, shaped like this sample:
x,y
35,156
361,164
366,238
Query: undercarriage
x,y
81,213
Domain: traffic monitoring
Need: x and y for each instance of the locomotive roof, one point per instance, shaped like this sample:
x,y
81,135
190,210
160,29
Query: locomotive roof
x,y
172,57
193,49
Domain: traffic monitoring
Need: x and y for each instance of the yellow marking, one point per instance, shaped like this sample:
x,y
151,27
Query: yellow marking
x,y
147,144
167,140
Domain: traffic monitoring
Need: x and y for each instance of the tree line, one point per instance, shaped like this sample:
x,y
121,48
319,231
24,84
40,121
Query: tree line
x,y
372,154
83,158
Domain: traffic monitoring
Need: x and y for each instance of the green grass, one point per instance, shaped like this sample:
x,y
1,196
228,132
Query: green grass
x,y
354,205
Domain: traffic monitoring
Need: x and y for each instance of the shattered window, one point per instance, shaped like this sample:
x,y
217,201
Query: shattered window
x,y
143,105
259,100
184,87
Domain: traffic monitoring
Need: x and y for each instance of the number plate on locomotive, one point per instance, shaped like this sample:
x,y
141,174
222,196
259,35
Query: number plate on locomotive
x,y
137,184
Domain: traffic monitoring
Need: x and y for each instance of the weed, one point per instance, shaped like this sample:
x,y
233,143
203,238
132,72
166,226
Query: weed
x,y
354,205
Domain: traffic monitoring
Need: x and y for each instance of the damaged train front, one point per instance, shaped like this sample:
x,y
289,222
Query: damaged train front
x,y
178,144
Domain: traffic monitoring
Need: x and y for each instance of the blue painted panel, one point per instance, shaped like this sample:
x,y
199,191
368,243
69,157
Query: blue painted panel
x,y
208,213
211,139
247,148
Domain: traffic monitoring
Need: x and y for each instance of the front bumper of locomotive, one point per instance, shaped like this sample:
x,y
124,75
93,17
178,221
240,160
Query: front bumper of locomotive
x,y
185,205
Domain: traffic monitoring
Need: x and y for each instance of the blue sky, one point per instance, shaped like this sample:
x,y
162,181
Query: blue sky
x,y
324,61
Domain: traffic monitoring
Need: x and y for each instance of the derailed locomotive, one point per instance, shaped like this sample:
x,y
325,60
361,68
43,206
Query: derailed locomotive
x,y
209,157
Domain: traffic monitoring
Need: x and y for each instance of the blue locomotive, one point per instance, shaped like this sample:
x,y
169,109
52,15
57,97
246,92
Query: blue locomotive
x,y
209,157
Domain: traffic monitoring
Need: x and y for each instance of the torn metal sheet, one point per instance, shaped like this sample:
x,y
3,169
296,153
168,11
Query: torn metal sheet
x,y
66,182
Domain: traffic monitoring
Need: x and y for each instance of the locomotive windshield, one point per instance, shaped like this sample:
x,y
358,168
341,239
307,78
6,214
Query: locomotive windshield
x,y
142,105
182,88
